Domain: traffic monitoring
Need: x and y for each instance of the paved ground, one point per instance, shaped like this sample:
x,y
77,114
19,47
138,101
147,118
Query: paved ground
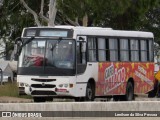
x,y
22,100
6,99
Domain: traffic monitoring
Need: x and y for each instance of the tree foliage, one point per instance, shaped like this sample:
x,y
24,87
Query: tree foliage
x,y
44,13
152,23
135,15
117,14
13,19
91,10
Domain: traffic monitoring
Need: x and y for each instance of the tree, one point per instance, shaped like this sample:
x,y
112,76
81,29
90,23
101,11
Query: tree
x,y
1,3
117,14
12,13
142,15
41,18
152,23
75,12
90,12
134,16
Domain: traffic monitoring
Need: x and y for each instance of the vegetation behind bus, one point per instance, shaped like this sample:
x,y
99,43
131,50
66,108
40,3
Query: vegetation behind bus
x,y
125,14
136,15
11,89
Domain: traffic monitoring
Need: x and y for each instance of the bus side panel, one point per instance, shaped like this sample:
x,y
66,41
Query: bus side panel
x,y
91,72
113,77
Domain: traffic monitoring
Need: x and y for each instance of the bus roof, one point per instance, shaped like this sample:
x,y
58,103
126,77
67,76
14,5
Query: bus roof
x,y
99,31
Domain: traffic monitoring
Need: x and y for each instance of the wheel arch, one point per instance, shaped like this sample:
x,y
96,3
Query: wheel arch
x,y
132,81
92,82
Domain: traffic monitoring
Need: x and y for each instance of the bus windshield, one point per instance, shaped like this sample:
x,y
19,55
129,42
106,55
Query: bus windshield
x,y
51,53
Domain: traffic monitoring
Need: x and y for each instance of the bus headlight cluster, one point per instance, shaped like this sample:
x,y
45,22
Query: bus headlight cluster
x,y
24,85
66,85
63,85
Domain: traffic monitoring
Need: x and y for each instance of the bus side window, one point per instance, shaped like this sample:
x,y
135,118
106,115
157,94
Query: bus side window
x,y
143,44
134,48
113,49
151,52
92,49
101,49
124,50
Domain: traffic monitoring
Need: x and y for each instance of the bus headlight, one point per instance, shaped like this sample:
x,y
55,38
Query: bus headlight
x,y
60,85
27,85
24,85
65,85
21,84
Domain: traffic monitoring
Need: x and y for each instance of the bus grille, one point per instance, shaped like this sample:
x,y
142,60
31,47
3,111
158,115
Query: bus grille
x,y
43,86
43,93
43,80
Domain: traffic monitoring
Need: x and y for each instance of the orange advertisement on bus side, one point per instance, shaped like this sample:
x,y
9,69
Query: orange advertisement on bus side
x,y
113,77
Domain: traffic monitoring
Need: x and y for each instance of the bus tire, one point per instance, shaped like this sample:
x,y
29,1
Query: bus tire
x,y
90,92
39,99
152,93
116,98
129,96
155,92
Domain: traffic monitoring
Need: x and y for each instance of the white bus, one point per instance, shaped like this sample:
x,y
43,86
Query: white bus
x,y
84,63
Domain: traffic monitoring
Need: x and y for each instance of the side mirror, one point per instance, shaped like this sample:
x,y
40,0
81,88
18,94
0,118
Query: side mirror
x,y
83,47
82,40
17,46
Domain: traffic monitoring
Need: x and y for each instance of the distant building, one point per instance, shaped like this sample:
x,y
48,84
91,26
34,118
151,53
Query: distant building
x,y
9,69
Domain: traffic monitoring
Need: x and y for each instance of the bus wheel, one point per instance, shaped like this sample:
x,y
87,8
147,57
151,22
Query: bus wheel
x,y
129,92
116,98
153,93
89,92
39,99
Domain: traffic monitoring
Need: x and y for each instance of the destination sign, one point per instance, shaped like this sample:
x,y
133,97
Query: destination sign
x,y
47,32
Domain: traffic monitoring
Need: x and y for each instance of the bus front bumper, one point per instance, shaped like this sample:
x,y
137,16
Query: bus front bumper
x,y
46,92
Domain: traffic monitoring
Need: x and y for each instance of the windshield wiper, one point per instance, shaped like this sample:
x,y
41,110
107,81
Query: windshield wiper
x,y
23,44
28,41
53,46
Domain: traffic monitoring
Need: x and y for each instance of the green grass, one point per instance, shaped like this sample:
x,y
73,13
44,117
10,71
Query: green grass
x,y
11,90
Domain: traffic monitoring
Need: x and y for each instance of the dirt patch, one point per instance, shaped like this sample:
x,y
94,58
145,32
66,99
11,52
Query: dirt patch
x,y
6,99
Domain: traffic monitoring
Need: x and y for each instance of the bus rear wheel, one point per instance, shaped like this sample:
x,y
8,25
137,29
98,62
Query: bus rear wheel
x,y
90,92
129,92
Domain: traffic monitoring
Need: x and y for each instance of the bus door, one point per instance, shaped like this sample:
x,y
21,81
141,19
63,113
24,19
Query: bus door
x,y
81,54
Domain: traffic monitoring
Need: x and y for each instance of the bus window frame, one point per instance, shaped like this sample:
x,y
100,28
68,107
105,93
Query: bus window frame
x,y
118,42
